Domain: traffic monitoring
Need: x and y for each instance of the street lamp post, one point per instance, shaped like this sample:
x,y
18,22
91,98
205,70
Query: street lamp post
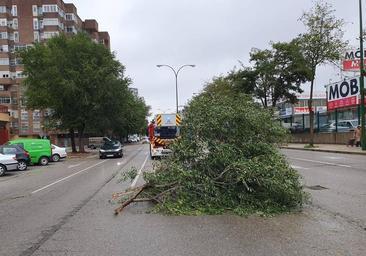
x,y
176,72
362,87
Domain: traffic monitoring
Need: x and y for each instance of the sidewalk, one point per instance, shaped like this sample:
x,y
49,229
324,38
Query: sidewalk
x,y
334,148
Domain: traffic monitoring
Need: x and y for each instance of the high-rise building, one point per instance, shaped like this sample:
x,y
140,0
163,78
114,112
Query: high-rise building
x,y
23,22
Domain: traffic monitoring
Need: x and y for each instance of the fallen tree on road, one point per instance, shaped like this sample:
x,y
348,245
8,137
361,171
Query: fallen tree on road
x,y
226,160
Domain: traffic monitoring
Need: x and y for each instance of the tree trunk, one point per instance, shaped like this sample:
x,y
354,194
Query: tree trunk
x,y
311,113
72,137
81,143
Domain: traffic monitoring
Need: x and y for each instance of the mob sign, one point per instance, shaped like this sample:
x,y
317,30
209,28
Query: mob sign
x,y
343,94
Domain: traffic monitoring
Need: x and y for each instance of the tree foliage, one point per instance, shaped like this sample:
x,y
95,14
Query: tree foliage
x,y
276,75
225,160
321,43
80,81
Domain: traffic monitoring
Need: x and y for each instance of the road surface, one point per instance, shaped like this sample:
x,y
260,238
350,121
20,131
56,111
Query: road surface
x,y
64,209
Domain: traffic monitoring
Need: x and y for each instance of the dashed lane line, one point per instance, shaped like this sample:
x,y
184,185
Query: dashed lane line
x,y
67,177
320,162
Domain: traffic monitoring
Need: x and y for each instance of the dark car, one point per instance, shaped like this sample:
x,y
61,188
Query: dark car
x,y
21,155
111,149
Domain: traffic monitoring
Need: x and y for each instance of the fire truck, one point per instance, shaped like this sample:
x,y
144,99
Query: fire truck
x,y
163,131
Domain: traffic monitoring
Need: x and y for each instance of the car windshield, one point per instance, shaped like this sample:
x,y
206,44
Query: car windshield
x,y
354,123
111,145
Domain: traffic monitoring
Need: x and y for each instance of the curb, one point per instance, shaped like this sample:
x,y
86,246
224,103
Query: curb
x,y
326,150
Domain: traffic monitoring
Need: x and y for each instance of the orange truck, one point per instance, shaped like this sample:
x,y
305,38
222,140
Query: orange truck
x,y
163,131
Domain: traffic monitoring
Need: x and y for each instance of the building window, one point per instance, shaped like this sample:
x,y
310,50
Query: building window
x,y
36,115
14,10
36,127
15,23
3,35
4,48
3,22
35,24
48,35
5,100
24,115
16,37
20,74
36,36
51,22
35,10
50,8
4,61
2,87
70,16
2,9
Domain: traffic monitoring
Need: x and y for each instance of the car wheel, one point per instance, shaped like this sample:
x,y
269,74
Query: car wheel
x,y
22,165
55,158
101,157
2,169
43,161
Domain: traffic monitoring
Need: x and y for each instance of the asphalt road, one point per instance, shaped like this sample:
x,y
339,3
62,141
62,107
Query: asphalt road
x,y
36,203
64,209
337,182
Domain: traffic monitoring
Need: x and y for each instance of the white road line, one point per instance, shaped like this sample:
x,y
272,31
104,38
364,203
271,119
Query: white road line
x,y
299,167
74,165
133,184
320,162
58,181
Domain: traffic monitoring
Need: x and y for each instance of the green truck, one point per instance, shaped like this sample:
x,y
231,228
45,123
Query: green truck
x,y
39,149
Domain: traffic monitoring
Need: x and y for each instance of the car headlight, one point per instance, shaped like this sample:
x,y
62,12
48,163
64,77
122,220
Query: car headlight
x,y
102,150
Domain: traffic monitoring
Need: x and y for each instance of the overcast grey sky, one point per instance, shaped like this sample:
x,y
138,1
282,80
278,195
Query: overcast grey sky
x,y
212,34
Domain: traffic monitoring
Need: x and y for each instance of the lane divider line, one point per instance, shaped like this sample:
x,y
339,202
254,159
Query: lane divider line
x,y
320,162
67,177
299,167
133,184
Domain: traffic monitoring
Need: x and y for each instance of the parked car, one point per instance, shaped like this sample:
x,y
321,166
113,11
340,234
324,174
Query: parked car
x,y
342,126
133,138
39,149
58,153
20,153
111,149
7,163
145,140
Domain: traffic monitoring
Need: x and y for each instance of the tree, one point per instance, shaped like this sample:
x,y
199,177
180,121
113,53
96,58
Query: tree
x,y
322,43
77,79
226,160
279,73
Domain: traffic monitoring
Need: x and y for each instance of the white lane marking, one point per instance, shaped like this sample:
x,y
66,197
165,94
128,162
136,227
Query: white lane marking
x,y
334,157
320,162
299,167
65,178
133,184
74,165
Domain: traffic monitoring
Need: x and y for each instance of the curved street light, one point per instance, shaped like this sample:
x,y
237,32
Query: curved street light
x,y
176,72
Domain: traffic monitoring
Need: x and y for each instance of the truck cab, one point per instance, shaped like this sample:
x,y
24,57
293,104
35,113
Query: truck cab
x,y
162,133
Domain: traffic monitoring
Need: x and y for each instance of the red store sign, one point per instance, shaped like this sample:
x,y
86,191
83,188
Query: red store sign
x,y
343,94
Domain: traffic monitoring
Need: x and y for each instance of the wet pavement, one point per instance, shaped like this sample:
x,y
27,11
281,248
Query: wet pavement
x,y
332,224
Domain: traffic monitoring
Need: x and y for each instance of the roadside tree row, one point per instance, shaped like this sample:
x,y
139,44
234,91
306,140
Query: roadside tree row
x,y
84,86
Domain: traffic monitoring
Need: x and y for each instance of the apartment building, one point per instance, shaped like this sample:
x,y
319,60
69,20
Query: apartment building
x,y
23,22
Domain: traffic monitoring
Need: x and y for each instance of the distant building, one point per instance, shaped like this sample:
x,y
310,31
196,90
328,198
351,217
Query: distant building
x,y
23,22
299,112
